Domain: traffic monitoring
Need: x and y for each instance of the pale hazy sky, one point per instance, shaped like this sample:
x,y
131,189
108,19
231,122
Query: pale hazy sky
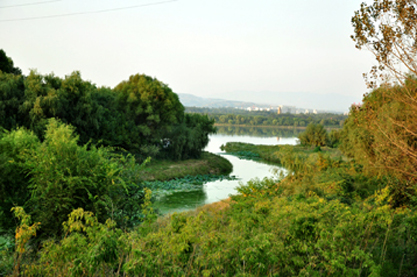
x,y
209,48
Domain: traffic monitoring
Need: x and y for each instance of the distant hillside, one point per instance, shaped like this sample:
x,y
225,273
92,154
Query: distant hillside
x,y
308,100
190,100
332,103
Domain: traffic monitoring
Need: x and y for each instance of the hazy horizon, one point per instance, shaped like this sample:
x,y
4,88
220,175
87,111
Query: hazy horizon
x,y
237,50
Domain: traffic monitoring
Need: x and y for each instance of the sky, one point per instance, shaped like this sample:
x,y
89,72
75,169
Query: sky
x,y
231,49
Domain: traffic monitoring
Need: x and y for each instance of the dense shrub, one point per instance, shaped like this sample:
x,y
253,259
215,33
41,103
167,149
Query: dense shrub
x,y
14,181
314,135
65,176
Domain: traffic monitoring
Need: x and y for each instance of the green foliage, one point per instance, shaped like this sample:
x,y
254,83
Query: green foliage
x,y
334,138
6,255
14,190
24,232
11,100
65,176
188,139
325,218
187,183
165,170
239,117
141,115
380,135
89,248
7,65
150,105
258,131
314,135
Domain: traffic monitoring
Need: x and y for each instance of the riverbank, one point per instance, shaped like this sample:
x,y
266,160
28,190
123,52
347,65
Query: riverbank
x,y
279,154
163,170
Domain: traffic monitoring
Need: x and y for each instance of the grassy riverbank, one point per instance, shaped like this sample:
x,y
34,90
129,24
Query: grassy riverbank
x,y
163,170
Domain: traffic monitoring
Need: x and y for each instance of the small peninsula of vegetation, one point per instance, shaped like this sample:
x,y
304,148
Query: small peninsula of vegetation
x,y
347,205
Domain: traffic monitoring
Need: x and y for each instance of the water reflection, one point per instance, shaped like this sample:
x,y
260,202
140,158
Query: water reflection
x,y
181,201
258,131
215,191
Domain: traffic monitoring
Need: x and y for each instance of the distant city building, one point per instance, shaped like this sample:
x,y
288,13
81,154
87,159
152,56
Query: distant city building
x,y
279,110
288,109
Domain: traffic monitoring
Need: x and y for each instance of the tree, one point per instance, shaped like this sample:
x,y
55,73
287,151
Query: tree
x,y
314,135
389,30
11,99
7,65
151,105
13,180
188,139
381,134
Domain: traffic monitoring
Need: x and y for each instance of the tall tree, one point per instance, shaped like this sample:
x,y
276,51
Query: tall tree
x,y
151,105
382,133
7,65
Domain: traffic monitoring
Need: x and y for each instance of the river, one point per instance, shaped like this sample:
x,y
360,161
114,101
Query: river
x,y
244,170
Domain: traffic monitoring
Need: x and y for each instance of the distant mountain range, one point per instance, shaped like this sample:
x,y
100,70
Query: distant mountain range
x,y
325,102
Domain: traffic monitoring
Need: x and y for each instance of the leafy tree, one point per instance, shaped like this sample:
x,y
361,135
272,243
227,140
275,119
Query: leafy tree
x,y
151,105
11,100
314,135
7,65
387,29
188,139
14,182
373,138
386,133
137,115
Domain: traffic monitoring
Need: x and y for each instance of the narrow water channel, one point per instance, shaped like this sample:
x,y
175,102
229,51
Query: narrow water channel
x,y
244,170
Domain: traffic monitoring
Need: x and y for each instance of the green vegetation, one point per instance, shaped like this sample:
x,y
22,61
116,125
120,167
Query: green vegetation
x,y
52,178
163,170
141,115
325,218
265,118
186,183
315,135
280,154
7,64
347,211
66,144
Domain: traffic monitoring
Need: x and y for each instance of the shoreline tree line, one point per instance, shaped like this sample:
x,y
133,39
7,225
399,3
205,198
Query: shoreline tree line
x,y
227,116
141,115
66,143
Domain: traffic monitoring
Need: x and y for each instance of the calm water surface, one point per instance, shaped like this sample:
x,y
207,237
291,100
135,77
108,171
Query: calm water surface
x,y
211,192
